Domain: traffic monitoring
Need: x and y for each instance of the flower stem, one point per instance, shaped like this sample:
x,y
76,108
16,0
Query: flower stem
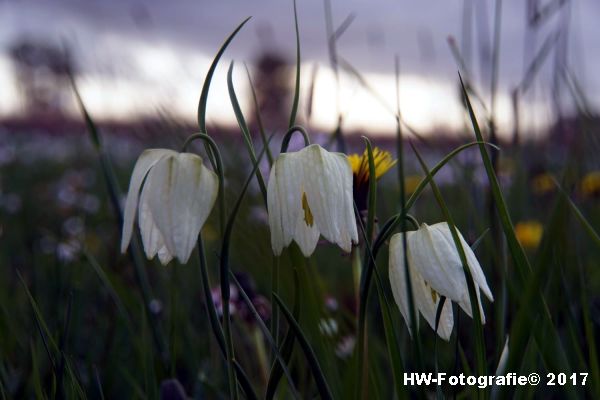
x,y
288,135
216,154
356,273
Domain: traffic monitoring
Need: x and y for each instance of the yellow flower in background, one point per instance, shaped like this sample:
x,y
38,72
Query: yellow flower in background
x,y
542,184
360,172
590,184
360,164
529,233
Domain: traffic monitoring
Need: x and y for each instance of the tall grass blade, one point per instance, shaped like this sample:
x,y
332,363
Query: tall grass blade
x,y
480,354
135,252
515,248
313,363
528,280
362,378
286,348
208,300
224,275
390,225
244,382
110,288
62,347
261,128
438,314
47,339
297,81
391,337
206,86
267,334
239,115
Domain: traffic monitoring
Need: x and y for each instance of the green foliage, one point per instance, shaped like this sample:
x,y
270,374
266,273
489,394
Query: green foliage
x,y
78,319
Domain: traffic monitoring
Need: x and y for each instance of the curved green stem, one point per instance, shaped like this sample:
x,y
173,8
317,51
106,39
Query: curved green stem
x,y
214,150
288,135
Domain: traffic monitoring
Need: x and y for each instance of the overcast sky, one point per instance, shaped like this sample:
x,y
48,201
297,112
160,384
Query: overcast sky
x,y
136,54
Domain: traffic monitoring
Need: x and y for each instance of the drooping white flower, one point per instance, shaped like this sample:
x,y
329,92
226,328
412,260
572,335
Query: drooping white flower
x,y
425,299
177,195
310,194
436,270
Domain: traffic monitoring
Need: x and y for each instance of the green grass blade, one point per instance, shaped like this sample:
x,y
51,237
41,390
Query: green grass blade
x,y
390,225
286,348
586,225
35,374
297,81
110,288
438,315
362,378
267,334
391,338
239,115
210,305
98,382
49,342
590,339
224,275
531,281
62,347
425,181
516,250
114,193
388,326
261,128
313,363
244,382
528,320
480,354
206,86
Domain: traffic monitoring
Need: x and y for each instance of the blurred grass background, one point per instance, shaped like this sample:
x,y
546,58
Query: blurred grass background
x,y
74,322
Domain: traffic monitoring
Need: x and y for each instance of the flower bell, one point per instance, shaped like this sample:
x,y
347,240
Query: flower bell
x,y
310,193
435,270
177,194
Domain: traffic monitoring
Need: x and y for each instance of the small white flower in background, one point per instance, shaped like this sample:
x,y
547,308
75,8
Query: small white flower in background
x,y
435,270
177,196
310,193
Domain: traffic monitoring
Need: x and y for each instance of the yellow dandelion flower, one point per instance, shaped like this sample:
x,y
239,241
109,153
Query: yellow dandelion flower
x,y
529,233
542,184
590,184
360,164
360,171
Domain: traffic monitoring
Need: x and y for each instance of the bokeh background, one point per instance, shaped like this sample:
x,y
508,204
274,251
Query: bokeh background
x,y
139,67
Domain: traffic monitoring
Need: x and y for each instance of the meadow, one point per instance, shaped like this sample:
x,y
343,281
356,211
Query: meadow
x,y
79,319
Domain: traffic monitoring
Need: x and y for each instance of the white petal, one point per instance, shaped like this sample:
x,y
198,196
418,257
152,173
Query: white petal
x,y
422,295
164,255
328,187
427,305
182,194
306,236
152,239
397,275
475,268
438,262
284,200
146,160
445,272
